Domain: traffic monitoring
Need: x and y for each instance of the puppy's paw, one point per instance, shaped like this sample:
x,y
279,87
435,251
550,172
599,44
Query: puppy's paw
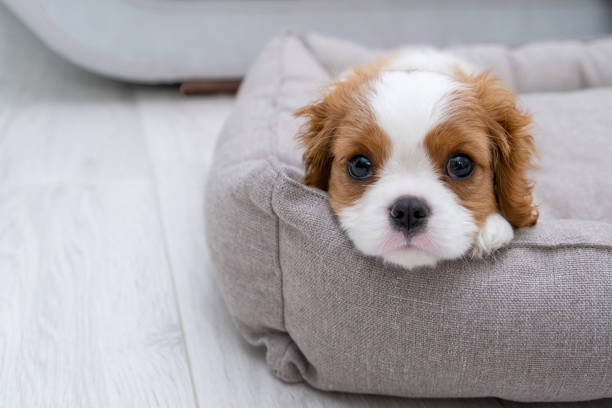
x,y
494,234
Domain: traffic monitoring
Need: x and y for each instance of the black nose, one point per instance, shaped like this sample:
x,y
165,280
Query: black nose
x,y
409,213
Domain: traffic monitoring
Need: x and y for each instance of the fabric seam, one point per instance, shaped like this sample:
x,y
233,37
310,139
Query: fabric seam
x,y
315,57
277,111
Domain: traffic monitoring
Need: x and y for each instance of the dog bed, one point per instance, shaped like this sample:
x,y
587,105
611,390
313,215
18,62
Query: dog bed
x,y
531,323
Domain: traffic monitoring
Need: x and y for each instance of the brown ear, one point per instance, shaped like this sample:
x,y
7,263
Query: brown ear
x,y
512,152
316,136
325,117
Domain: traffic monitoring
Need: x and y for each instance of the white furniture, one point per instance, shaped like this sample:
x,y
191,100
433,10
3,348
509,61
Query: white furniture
x,y
177,40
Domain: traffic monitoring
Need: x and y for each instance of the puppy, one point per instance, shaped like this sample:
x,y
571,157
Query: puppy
x,y
423,156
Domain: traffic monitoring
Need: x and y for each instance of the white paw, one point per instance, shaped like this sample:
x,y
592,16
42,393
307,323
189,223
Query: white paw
x,y
494,234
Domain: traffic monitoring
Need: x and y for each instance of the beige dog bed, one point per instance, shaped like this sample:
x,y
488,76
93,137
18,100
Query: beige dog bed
x,y
532,323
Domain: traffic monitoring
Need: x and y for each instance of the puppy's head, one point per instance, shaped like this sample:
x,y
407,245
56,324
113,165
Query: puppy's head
x,y
420,165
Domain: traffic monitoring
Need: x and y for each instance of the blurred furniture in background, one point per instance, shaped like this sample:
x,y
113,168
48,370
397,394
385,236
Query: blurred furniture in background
x,y
165,41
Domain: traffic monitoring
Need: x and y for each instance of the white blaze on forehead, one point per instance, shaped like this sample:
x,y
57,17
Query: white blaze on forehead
x,y
409,104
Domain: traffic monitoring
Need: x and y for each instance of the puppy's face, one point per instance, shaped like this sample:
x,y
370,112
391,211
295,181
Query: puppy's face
x,y
421,166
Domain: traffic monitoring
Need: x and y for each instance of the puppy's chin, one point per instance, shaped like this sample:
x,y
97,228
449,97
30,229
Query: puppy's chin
x,y
417,251
424,249
410,258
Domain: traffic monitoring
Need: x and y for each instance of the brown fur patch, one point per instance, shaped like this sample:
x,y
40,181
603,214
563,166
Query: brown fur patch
x,y
464,133
338,127
364,137
486,124
509,129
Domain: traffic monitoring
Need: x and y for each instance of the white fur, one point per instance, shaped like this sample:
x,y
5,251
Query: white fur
x,y
494,234
406,106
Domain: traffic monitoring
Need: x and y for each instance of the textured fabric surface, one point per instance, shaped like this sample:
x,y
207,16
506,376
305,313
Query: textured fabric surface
x,y
532,323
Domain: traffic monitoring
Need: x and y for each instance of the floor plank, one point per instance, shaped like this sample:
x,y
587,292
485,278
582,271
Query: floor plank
x,y
88,316
75,129
88,313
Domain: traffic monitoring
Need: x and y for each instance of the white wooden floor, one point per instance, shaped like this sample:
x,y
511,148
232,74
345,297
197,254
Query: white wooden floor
x,y
106,293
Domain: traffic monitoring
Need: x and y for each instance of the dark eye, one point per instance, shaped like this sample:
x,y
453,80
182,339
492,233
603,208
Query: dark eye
x,y
359,167
459,166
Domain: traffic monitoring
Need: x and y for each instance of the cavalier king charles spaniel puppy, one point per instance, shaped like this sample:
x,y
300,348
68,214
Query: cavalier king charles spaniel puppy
x,y
423,156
